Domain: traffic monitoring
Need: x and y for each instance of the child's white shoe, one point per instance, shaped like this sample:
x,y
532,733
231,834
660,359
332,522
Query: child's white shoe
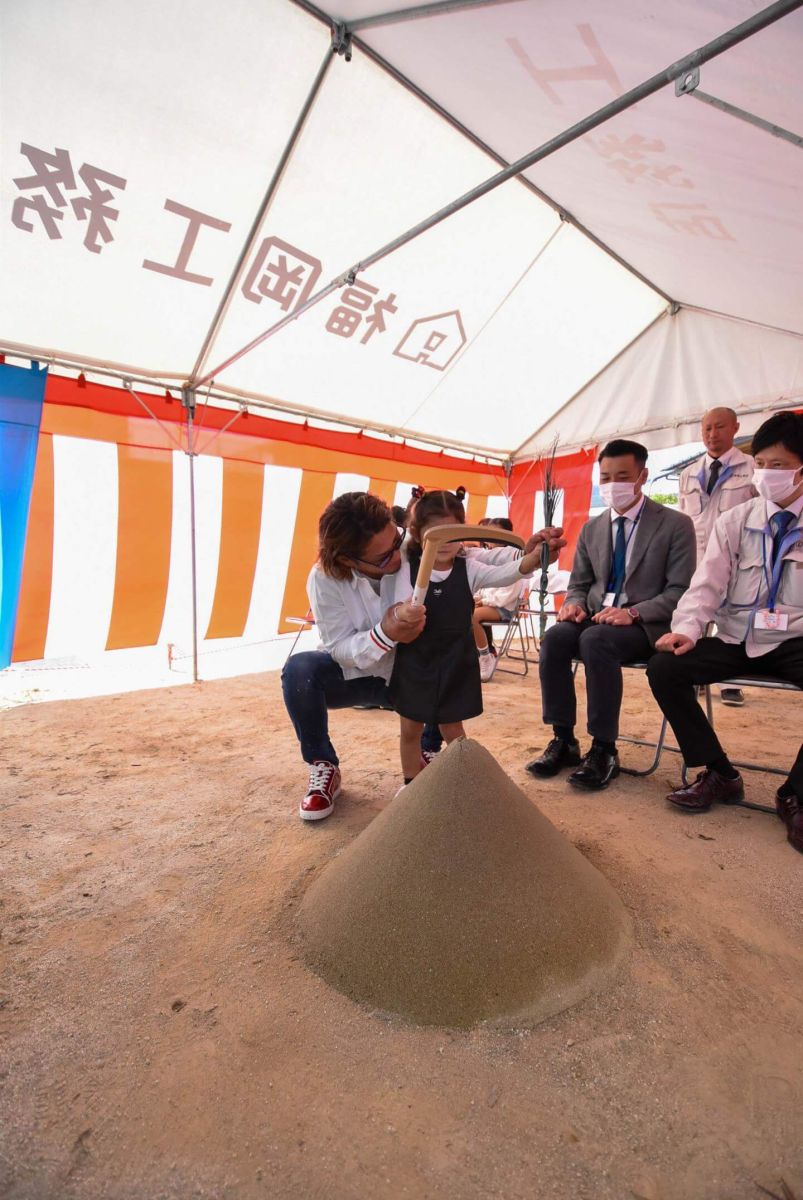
x,y
487,666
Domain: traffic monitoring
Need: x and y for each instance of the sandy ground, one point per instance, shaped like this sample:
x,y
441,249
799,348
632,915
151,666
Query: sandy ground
x,y
161,1037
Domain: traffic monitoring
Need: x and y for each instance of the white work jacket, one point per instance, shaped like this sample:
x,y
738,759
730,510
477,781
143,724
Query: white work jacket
x,y
731,583
733,487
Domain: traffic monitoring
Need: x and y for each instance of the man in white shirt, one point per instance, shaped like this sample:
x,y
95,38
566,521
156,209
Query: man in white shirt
x,y
631,566
359,545
718,481
751,582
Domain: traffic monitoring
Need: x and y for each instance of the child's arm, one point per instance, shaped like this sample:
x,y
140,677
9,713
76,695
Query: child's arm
x,y
484,574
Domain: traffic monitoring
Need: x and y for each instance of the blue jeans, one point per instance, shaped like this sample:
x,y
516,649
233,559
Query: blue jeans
x,y
312,683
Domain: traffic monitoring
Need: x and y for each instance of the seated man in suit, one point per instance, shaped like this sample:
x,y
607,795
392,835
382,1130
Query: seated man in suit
x,y
751,582
631,566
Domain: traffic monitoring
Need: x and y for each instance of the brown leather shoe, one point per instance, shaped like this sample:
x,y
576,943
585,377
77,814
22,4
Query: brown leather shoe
x,y
707,788
790,810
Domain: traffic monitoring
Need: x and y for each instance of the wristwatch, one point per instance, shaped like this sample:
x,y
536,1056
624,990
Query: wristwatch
x,y
634,613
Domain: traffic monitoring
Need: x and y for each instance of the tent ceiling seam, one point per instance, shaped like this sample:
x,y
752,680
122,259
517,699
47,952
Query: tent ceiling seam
x,y
256,226
476,140
782,402
665,314
713,312
483,327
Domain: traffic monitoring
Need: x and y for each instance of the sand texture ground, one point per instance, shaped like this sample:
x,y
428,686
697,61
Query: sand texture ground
x,y
162,1037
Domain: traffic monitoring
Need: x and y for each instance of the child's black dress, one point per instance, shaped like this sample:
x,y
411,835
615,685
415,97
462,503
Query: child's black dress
x,y
436,678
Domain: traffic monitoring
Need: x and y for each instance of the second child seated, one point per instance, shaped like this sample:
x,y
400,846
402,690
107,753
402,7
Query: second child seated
x,y
436,678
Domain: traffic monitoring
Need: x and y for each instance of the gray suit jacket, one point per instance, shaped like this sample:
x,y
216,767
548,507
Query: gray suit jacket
x,y
662,562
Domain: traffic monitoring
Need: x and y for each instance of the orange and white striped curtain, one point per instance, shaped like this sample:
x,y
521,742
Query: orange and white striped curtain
x,y
108,560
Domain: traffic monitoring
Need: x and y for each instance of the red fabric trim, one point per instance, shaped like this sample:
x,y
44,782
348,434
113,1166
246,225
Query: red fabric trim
x,y
100,398
573,472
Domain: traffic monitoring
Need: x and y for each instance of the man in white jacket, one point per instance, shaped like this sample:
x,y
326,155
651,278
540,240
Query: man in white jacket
x,y
359,545
751,582
718,481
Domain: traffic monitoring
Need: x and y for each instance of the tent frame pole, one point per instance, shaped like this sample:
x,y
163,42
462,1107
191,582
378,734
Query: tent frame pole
x,y
257,223
648,87
742,114
435,9
188,402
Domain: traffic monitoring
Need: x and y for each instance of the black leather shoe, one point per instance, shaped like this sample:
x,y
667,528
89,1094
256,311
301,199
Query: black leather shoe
x,y
558,754
596,771
790,810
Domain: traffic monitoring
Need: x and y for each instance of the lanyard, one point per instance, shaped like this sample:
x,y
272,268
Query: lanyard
x,y
628,540
774,579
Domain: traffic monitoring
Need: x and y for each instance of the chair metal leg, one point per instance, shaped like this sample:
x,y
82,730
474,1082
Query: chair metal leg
x,y
504,650
658,746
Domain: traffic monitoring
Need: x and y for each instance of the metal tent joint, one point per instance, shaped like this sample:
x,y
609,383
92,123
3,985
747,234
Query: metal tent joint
x,y
686,83
188,400
341,40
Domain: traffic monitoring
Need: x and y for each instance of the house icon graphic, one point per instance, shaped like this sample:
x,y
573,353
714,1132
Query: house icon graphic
x,y
433,341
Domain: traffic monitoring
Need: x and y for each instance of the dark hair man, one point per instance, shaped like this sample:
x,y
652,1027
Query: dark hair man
x,y
359,545
751,579
631,566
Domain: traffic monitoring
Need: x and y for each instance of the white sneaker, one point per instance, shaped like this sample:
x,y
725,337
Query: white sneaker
x,y
487,666
322,791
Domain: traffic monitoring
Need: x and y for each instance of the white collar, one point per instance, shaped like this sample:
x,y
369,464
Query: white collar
x,y
796,507
723,458
632,513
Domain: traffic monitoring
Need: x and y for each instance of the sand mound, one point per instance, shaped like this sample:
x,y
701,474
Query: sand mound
x,y
461,902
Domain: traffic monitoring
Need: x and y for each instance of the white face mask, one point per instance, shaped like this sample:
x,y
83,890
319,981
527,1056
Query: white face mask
x,y
618,495
775,485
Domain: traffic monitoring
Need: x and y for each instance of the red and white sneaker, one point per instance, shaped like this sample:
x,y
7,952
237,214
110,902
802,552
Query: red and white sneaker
x,y
323,790
427,756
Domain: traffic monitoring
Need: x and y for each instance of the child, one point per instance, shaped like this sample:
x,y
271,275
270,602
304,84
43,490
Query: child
x,y
494,605
436,678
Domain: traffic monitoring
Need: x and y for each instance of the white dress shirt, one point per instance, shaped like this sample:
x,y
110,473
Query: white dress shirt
x,y
348,612
631,517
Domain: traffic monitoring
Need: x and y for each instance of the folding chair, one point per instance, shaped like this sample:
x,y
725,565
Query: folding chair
x,y
520,624
659,746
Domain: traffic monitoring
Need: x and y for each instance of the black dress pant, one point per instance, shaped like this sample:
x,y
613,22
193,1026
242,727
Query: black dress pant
x,y
604,649
673,678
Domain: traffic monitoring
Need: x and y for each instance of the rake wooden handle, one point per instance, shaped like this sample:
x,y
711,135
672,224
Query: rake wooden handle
x,y
436,537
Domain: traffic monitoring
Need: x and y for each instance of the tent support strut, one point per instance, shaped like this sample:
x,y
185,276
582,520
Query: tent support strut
x,y
743,115
188,401
648,87
436,9
256,225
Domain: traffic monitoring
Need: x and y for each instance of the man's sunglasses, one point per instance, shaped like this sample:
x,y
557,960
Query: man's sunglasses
x,y
385,559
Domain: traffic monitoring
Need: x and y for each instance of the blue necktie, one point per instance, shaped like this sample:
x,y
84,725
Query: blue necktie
x,y
617,579
779,523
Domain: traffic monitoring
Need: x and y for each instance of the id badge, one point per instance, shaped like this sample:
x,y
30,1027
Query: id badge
x,y
609,600
771,620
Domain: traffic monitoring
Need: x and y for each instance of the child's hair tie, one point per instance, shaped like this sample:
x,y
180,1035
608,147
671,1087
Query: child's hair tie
x,y
418,492
460,492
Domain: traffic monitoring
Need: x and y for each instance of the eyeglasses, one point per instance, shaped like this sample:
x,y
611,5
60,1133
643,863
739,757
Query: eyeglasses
x,y
385,559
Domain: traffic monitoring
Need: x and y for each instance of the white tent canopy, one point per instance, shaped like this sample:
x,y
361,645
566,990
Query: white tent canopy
x,y
178,178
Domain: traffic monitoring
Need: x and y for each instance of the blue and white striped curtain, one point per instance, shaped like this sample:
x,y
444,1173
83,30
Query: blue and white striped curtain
x,y
22,392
